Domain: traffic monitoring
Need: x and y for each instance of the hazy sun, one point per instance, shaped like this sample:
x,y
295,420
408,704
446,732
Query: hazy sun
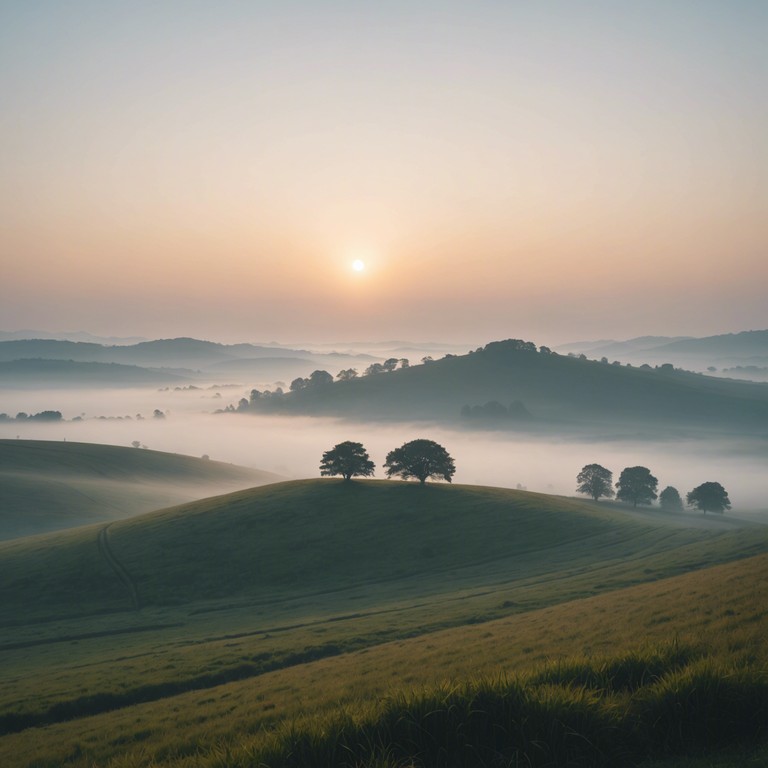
x,y
358,265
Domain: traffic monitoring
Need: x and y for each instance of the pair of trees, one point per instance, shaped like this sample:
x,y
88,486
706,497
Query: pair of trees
x,y
419,459
637,485
707,497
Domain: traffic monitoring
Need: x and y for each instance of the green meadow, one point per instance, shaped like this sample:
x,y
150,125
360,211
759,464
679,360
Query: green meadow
x,y
49,485
383,623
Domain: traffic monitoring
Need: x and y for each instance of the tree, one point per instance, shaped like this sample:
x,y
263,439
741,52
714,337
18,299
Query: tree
x,y
319,378
347,374
421,459
373,369
638,485
390,364
347,459
595,481
709,497
670,500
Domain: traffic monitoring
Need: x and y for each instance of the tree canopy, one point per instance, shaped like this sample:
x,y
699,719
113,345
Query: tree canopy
x,y
420,459
636,485
709,497
596,481
347,459
670,500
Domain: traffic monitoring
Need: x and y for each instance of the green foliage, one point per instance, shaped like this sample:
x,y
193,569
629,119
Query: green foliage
x,y
595,481
420,459
636,485
669,499
347,459
709,497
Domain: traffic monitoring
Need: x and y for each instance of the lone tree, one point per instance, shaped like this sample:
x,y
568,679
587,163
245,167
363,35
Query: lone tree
x,y
596,481
421,459
347,459
637,485
669,499
709,497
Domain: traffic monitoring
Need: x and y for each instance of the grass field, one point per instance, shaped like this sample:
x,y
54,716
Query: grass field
x,y
264,612
52,485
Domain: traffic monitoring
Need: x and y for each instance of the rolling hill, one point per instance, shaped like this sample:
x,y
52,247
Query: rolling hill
x,y
556,390
319,536
728,349
180,634
52,485
180,353
40,373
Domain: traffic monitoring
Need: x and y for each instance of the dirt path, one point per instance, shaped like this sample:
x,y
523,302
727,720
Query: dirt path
x,y
114,563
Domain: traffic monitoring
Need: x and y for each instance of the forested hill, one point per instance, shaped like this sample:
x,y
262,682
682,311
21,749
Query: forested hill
x,y
536,386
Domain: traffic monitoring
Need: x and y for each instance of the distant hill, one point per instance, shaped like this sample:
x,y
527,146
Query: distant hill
x,y
729,345
39,373
69,336
611,346
730,349
197,358
51,485
554,389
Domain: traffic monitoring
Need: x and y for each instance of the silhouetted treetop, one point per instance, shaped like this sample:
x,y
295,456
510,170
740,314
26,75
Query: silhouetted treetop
x,y
709,497
595,481
669,499
347,459
636,485
420,459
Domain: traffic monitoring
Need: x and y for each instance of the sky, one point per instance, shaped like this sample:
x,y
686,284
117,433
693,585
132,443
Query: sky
x,y
552,171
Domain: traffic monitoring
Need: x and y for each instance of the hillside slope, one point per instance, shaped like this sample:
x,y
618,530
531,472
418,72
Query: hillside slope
x,y
718,611
51,485
290,540
553,388
39,373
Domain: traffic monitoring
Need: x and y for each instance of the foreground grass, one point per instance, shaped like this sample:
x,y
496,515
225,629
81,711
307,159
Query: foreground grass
x,y
718,614
586,712
658,702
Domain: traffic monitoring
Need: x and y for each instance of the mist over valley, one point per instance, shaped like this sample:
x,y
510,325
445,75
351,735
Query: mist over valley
x,y
383,385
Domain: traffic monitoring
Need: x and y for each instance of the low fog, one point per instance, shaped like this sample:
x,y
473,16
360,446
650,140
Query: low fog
x,y
292,446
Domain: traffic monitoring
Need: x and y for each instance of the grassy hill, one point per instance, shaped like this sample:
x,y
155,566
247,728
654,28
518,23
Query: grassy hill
x,y
278,605
318,537
555,390
51,485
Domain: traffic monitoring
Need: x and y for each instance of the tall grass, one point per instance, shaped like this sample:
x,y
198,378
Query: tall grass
x,y
590,712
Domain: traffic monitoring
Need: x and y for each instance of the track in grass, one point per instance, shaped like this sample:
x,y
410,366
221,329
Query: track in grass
x,y
120,571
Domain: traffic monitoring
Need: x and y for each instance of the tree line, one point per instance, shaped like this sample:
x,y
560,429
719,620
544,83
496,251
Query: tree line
x,y
636,485
424,459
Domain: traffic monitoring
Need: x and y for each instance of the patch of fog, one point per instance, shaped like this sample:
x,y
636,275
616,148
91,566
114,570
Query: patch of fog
x,y
292,446
93,403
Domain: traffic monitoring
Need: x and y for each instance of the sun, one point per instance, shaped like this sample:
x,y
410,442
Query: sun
x,y
358,265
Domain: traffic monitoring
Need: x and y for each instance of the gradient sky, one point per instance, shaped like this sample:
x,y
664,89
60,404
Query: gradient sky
x,y
544,170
